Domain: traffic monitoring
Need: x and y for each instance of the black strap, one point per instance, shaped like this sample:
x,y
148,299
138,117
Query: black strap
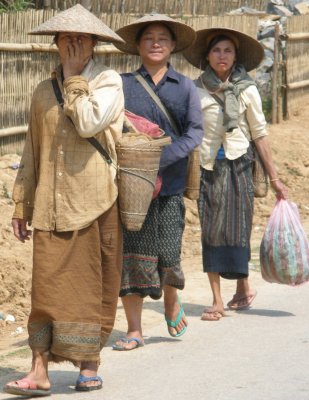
x,y
92,140
57,91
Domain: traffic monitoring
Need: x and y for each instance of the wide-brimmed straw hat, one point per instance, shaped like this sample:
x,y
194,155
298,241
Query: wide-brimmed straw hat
x,y
250,52
77,19
184,34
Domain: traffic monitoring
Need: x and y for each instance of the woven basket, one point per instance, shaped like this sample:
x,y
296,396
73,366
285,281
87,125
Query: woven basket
x,y
259,175
137,172
192,190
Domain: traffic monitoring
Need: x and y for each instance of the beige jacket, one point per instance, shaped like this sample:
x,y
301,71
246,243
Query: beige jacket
x,y
63,183
252,125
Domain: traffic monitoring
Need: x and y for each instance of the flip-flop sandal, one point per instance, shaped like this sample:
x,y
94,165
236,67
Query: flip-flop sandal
x,y
119,347
83,379
173,324
216,316
26,387
249,300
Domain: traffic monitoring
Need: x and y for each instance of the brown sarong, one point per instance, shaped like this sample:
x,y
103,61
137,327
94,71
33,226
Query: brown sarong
x,y
75,287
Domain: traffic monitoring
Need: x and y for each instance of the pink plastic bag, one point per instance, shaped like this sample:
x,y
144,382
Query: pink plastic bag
x,y
284,251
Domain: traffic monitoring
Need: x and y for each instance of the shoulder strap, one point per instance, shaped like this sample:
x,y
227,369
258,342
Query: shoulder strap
x,y
92,140
199,83
218,99
157,100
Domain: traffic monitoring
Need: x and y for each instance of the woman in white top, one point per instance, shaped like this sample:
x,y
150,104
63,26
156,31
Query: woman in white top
x,y
233,120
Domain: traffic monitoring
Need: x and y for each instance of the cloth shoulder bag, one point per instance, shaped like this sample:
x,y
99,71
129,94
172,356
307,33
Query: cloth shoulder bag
x,y
192,188
259,173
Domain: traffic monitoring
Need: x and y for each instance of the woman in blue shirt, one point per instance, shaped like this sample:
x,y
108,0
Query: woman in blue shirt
x,y
151,262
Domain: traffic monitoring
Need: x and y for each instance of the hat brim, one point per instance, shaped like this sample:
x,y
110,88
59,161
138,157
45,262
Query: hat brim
x,y
184,34
250,52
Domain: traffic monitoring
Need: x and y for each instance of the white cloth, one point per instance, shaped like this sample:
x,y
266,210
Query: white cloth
x,y
252,125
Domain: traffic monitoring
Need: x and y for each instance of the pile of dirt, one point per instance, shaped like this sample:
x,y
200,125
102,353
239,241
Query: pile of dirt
x,y
290,153
16,257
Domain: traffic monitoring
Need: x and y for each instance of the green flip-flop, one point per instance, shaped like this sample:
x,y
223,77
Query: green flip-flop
x,y
173,324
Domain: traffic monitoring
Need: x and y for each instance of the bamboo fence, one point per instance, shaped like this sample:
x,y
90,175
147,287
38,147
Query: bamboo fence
x,y
297,63
171,7
26,60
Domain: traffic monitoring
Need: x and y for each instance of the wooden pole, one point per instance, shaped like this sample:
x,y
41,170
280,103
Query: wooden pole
x,y
15,130
274,110
87,4
298,85
298,36
47,4
51,48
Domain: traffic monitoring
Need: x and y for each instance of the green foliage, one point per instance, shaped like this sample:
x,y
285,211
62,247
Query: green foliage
x,y
15,5
5,192
267,108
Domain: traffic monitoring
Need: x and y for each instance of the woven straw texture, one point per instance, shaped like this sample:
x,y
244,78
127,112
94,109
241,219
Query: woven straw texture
x,y
192,189
185,35
250,51
77,19
138,164
259,176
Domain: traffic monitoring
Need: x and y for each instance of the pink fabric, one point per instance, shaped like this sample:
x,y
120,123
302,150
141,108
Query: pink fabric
x,y
143,125
158,186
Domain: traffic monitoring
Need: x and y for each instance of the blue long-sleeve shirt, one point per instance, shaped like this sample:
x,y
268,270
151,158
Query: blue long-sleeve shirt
x,y
180,97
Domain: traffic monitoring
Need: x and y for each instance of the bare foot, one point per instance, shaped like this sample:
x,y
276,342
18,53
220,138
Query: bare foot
x,y
88,369
130,342
27,384
175,317
212,314
36,381
241,301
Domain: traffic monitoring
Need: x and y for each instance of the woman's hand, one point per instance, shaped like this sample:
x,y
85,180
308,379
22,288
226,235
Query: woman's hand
x,y
20,229
280,189
75,50
75,59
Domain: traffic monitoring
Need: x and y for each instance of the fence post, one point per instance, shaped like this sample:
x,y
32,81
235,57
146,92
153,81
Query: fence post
x,y
47,4
87,4
274,111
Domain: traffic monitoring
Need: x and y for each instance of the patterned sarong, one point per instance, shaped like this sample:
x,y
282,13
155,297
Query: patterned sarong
x,y
152,255
226,211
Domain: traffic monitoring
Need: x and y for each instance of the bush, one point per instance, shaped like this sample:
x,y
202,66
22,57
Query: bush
x,y
15,5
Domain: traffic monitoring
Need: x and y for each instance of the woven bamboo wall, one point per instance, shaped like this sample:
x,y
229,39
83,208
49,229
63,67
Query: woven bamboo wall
x,y
297,63
21,71
171,7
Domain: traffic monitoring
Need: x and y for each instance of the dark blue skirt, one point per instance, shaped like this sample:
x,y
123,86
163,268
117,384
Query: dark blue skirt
x,y
226,211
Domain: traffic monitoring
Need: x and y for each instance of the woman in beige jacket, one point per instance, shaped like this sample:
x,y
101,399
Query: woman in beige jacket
x,y
233,120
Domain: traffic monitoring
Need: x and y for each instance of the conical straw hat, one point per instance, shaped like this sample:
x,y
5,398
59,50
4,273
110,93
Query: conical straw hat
x,y
184,34
250,52
77,19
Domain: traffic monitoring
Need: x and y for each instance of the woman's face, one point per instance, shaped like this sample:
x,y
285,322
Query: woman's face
x,y
71,44
155,45
222,57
